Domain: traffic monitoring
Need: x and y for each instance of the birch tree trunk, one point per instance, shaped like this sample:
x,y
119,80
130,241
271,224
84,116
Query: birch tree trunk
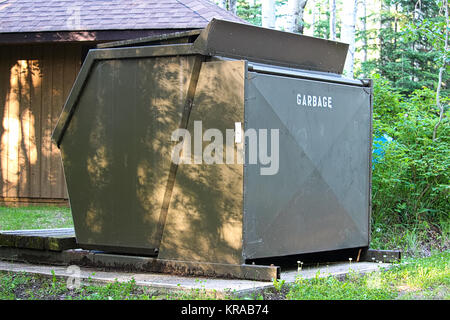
x,y
441,72
364,21
332,8
385,10
232,6
296,9
268,13
223,4
314,12
348,33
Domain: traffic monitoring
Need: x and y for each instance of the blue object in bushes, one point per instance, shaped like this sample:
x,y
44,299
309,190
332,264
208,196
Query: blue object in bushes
x,y
379,146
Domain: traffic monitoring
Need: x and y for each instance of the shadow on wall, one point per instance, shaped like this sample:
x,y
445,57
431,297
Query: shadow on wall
x,y
34,80
18,151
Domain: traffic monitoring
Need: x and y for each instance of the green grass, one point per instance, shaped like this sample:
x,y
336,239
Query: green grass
x,y
36,217
418,240
419,278
21,286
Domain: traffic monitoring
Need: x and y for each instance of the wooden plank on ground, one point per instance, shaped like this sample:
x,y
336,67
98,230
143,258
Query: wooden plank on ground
x,y
385,256
46,239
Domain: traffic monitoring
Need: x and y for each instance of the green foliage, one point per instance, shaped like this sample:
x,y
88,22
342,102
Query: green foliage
x,y
411,43
322,18
249,12
278,284
410,183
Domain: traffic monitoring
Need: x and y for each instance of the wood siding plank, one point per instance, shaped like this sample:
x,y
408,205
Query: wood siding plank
x,y
35,134
24,143
4,97
13,128
57,104
46,119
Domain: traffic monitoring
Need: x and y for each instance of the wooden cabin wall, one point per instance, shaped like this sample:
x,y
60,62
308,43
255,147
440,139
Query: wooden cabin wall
x,y
35,81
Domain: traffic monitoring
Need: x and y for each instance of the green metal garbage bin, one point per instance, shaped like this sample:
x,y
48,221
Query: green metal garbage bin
x,y
274,146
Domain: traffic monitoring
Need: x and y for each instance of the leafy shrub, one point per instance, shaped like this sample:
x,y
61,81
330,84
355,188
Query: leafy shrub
x,y
410,183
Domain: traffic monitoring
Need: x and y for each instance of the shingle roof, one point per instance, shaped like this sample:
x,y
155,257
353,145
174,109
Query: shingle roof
x,y
89,15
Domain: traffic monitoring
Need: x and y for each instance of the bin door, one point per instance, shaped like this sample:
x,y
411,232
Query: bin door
x,y
318,199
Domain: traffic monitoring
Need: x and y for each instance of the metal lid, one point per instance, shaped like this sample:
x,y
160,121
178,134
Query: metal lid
x,y
237,40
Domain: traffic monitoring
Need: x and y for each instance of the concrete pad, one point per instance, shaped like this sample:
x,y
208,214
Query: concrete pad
x,y
170,283
338,270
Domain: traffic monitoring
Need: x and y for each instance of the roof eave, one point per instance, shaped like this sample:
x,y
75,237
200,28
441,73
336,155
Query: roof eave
x,y
82,36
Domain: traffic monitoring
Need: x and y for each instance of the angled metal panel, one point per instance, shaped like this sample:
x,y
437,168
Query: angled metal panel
x,y
242,41
204,221
116,150
167,38
319,199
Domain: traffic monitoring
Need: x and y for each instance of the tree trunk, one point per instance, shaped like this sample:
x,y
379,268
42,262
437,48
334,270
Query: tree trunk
x,y
223,4
268,13
332,9
232,6
348,33
314,13
301,21
385,24
441,71
296,10
366,43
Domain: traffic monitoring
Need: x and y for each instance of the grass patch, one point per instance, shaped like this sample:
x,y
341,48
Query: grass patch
x,y
35,217
22,286
414,278
415,239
